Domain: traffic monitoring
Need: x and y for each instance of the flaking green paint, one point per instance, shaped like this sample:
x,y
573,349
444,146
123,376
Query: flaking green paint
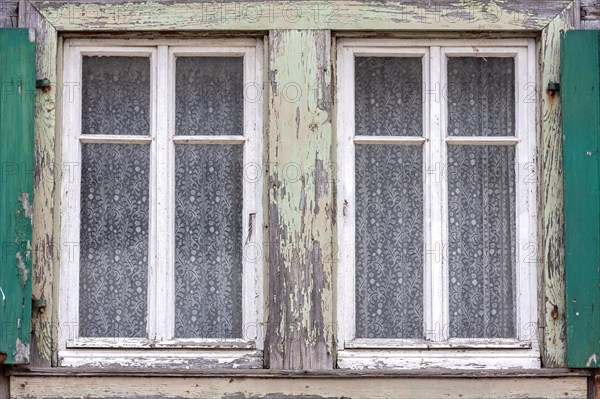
x,y
17,92
550,196
300,200
453,15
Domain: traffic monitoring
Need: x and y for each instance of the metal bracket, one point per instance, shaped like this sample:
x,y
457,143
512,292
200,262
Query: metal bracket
x,y
553,88
42,84
39,304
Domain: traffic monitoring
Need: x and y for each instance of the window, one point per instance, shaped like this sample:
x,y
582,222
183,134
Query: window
x,y
162,210
436,204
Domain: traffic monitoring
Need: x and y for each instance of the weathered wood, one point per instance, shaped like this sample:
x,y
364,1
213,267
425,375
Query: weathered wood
x,y
139,387
311,374
300,206
45,251
550,247
9,13
456,15
17,93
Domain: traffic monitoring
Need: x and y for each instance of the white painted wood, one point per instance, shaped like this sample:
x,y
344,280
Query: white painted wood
x,y
70,202
438,358
188,358
163,240
142,343
219,44
75,351
434,206
380,45
121,139
401,140
377,384
233,139
480,140
367,343
442,351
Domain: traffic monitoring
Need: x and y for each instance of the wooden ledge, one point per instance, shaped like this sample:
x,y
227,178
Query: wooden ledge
x,y
266,373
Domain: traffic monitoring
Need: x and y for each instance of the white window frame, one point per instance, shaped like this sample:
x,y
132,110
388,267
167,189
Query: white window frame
x,y
436,350
160,347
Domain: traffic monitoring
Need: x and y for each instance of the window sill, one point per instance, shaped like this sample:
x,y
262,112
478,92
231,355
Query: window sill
x,y
266,373
440,358
142,343
197,358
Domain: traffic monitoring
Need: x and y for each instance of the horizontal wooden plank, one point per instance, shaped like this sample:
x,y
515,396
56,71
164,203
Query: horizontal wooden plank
x,y
357,388
271,373
442,15
590,12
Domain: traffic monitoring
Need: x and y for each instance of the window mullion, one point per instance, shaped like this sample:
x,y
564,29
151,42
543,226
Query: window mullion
x,y
435,241
163,239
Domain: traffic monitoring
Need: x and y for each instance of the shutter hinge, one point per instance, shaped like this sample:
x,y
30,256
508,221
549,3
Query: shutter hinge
x,y
38,304
43,84
553,88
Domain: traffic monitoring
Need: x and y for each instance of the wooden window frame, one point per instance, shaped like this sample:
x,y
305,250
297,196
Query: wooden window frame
x,y
54,21
436,350
160,347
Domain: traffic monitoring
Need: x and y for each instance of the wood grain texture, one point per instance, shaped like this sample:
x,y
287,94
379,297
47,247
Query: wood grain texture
x,y
443,15
45,250
9,13
300,202
550,246
138,387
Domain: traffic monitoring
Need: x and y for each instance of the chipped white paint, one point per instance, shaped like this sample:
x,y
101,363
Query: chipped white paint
x,y
22,352
427,385
22,267
592,361
24,200
74,351
521,352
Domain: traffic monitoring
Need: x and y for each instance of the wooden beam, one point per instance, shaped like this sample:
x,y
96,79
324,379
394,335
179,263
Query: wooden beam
x,y
300,201
550,246
442,15
45,252
64,387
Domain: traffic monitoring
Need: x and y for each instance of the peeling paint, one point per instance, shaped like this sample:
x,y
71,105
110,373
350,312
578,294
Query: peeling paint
x,y
22,352
592,361
454,15
24,200
22,268
300,138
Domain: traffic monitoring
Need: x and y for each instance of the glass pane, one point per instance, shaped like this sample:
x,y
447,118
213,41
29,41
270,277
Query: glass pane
x,y
389,241
481,211
208,241
113,276
209,96
115,95
481,96
389,96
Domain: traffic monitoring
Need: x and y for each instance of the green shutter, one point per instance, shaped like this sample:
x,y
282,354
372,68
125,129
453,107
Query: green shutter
x,y
17,104
580,91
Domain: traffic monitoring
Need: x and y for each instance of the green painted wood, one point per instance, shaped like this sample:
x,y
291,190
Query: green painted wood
x,y
17,96
580,90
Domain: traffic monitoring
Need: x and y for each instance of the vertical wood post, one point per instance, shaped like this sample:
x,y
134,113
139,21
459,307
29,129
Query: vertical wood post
x,y
300,206
550,247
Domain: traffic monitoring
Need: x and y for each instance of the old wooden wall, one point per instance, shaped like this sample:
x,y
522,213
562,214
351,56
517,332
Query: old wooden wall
x,y
312,195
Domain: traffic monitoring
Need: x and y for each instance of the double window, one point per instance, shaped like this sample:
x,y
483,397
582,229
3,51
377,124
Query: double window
x,y
162,210
436,203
